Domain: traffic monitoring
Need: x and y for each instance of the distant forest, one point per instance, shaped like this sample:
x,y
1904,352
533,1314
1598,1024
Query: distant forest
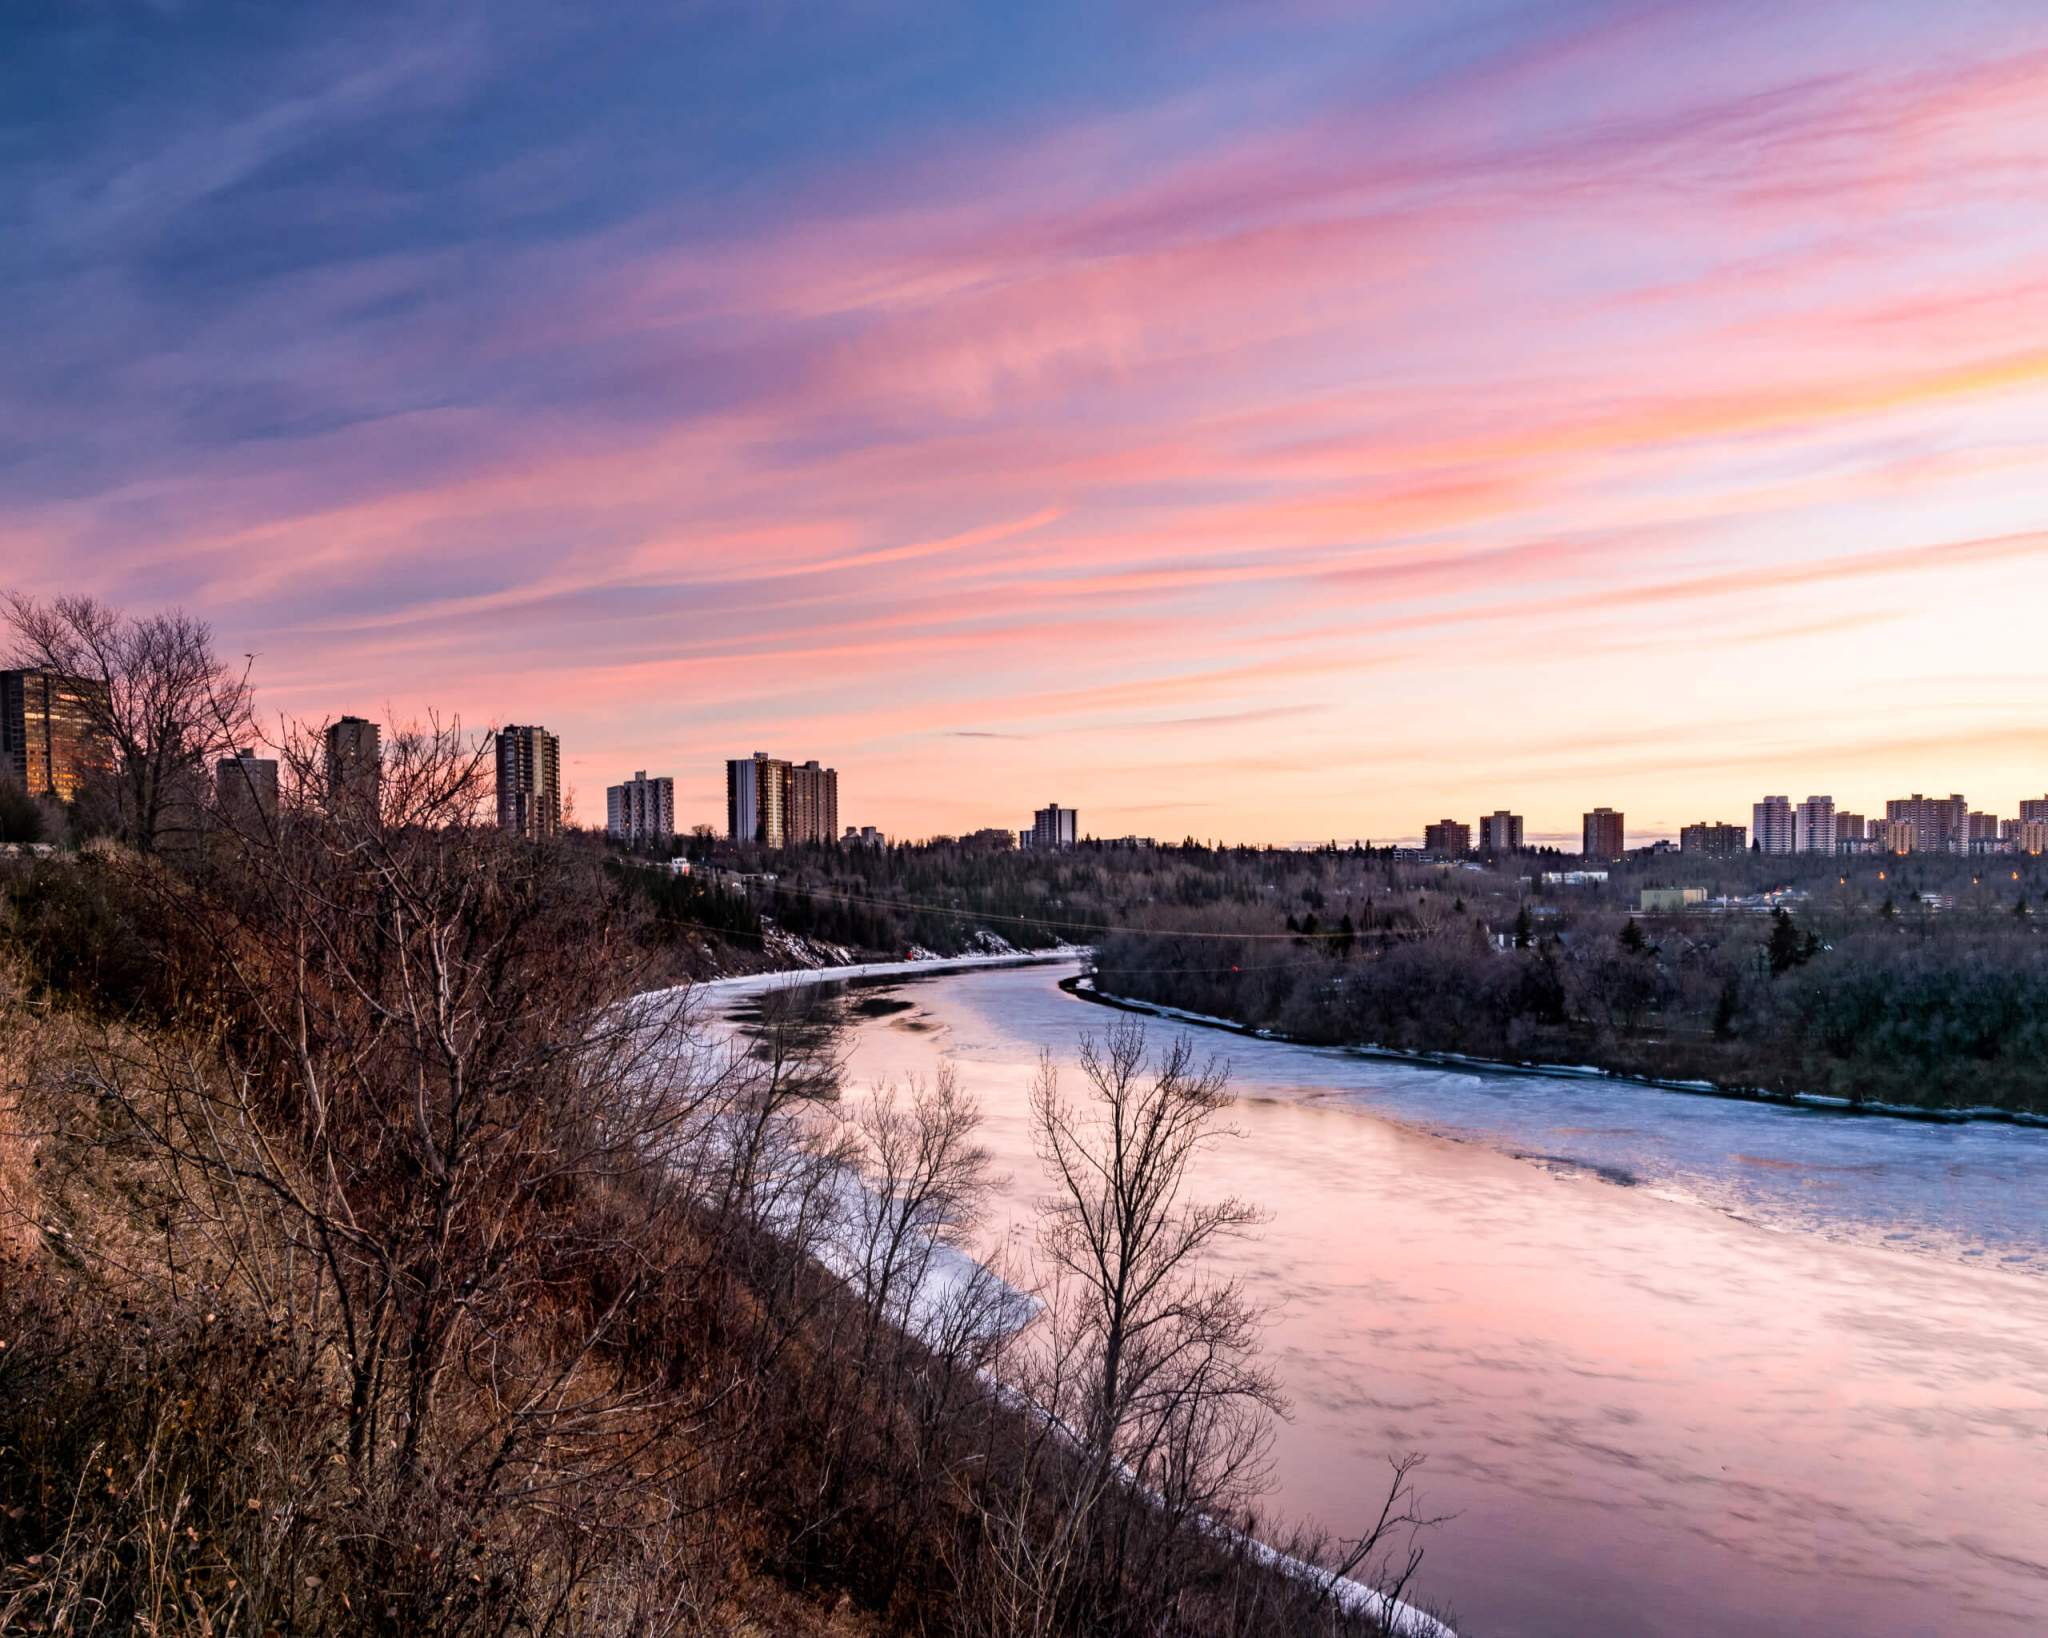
x,y
1920,980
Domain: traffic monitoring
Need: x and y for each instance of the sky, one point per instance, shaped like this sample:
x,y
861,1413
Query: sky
x,y
1267,421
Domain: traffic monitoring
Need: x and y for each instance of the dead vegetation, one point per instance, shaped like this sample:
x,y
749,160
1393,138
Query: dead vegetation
x,y
374,1260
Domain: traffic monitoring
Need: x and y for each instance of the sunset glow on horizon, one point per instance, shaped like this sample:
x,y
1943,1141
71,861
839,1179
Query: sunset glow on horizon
x,y
1266,422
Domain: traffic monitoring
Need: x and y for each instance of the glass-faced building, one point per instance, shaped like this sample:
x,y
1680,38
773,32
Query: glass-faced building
x,y
49,738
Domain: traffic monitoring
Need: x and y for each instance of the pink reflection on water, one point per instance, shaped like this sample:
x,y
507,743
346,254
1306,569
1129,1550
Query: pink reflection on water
x,y
1647,1416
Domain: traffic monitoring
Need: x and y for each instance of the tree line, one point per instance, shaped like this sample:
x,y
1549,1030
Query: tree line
x,y
1939,1011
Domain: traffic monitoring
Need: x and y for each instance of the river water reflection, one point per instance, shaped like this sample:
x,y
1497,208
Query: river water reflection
x,y
1679,1366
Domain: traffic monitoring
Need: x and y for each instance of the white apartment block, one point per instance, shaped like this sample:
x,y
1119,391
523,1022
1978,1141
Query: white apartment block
x,y
1774,828
642,809
1813,825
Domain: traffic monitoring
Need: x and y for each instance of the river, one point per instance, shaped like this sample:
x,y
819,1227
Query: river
x,y
1681,1366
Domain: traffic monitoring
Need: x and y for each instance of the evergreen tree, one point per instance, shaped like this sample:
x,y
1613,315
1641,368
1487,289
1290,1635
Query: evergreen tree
x,y
1724,1010
1786,948
21,818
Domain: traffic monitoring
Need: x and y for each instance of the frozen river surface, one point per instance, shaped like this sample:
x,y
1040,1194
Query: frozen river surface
x,y
1680,1366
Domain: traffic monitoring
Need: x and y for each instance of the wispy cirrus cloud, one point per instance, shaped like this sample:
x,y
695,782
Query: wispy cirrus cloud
x,y
691,386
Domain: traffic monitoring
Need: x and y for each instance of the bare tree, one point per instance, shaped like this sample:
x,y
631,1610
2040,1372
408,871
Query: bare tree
x,y
158,699
924,1177
450,1169
1158,1379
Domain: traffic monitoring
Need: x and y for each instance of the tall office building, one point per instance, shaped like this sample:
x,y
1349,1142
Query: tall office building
x,y
1813,825
1711,839
529,782
355,764
813,804
1447,839
1772,823
1500,832
245,791
642,809
757,799
1941,824
49,735
1602,835
1052,826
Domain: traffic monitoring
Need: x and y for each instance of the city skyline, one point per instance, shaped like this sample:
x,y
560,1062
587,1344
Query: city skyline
x,y
799,803
1268,423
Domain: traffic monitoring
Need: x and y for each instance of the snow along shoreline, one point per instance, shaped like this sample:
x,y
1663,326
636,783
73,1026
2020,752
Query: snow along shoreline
x,y
1083,987
940,1271
785,977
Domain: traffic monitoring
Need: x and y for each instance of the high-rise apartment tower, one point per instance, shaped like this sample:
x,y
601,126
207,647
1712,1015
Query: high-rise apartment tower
x,y
355,764
1813,825
642,809
1052,826
813,804
49,735
1447,839
1774,825
245,791
529,782
1711,839
1602,835
1500,832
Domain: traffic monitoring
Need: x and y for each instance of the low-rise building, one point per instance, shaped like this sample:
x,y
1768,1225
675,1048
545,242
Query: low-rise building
x,y
1667,899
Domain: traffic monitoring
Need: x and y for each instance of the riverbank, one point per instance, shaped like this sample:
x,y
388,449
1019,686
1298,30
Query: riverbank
x,y
940,1273
786,977
1082,986
1672,1359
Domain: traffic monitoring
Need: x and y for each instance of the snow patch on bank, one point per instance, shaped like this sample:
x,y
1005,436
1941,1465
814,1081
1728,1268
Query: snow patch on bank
x,y
761,983
947,1285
